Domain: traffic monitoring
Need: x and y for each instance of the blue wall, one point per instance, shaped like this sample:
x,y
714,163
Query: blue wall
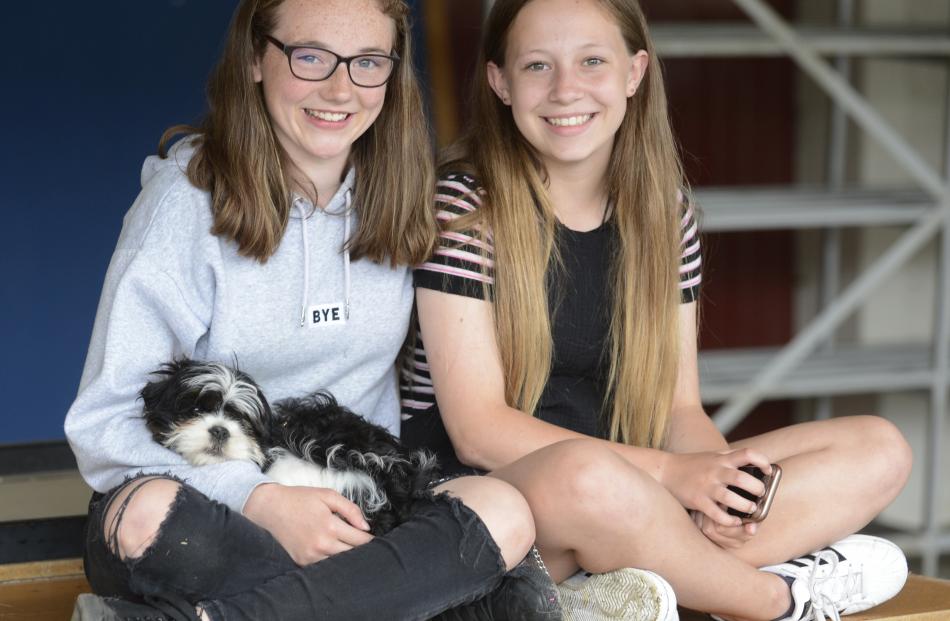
x,y
88,89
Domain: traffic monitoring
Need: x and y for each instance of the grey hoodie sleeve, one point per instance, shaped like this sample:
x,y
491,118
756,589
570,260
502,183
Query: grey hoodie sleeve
x,y
157,303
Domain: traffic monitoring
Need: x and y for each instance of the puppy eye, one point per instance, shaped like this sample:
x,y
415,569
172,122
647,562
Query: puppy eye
x,y
208,402
232,412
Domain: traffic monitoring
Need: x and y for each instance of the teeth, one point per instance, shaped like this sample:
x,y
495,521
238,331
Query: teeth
x,y
333,117
569,121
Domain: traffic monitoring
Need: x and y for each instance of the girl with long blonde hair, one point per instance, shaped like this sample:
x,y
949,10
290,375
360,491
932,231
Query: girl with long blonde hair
x,y
557,348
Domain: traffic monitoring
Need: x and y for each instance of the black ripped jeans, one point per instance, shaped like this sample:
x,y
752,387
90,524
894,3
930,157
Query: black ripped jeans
x,y
209,555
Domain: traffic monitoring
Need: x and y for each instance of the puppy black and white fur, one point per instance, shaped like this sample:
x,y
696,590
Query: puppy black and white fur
x,y
209,412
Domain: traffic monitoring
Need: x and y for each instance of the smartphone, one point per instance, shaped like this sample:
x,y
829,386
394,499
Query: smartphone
x,y
763,502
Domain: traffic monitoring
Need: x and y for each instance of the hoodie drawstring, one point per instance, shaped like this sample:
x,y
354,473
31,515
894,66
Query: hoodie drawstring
x,y
306,258
346,255
306,263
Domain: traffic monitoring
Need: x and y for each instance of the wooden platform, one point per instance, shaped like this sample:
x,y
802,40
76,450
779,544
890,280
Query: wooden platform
x,y
47,591
44,591
922,599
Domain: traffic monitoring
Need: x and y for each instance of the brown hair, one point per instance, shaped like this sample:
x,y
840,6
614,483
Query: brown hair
x,y
240,161
644,177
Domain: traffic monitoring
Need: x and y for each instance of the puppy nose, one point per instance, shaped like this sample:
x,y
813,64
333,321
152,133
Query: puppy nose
x,y
218,433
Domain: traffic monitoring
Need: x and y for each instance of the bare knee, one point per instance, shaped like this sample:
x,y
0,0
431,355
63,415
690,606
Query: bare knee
x,y
893,455
136,513
600,484
503,510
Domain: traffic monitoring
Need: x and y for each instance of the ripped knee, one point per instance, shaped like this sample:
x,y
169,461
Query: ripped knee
x,y
136,512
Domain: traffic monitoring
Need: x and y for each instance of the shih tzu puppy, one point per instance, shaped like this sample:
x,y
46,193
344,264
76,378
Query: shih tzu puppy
x,y
209,413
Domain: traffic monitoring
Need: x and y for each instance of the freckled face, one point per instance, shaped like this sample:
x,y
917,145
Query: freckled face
x,y
318,122
567,76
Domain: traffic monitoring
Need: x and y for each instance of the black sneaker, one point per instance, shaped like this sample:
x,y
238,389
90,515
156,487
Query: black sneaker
x,y
526,593
91,607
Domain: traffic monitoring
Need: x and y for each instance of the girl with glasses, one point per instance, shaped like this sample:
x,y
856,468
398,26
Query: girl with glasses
x,y
285,200
558,339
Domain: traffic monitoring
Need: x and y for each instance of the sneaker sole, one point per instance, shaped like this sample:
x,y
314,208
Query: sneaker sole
x,y
627,594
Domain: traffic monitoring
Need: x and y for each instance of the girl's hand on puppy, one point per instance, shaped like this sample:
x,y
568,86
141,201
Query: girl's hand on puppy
x,y
729,537
701,481
311,523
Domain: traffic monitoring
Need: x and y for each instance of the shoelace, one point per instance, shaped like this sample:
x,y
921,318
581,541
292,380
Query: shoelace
x,y
829,589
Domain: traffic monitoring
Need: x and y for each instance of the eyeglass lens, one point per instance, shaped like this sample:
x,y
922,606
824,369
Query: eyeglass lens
x,y
317,64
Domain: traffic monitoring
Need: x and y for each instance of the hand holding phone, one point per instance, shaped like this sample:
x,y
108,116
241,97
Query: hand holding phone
x,y
763,502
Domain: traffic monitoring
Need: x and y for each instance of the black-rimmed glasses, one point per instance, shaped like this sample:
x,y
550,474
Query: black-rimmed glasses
x,y
315,64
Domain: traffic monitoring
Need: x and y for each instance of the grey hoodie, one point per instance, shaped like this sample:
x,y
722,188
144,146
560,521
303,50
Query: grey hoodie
x,y
175,289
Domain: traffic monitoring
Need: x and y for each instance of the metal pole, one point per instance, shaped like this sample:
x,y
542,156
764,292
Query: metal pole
x,y
837,163
938,408
734,410
838,142
938,397
843,93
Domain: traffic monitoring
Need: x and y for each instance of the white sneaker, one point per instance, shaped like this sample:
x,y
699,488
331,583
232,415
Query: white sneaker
x,y
857,573
623,595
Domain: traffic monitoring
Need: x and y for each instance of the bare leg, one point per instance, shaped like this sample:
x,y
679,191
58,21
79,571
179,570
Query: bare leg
x,y
837,475
131,524
593,509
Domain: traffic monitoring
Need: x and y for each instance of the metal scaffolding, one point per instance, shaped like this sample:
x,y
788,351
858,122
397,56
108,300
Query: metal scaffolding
x,y
811,364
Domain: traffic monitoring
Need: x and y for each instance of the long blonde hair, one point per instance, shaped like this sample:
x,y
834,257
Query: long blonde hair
x,y
644,178
240,161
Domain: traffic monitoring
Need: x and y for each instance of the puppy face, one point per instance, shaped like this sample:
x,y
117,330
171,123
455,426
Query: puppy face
x,y
206,412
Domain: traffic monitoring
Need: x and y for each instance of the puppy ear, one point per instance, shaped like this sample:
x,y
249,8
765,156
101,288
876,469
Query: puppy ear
x,y
167,372
266,425
152,394
156,394
265,405
170,374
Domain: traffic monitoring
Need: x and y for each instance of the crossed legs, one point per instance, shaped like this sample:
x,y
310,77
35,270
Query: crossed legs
x,y
136,513
593,509
166,540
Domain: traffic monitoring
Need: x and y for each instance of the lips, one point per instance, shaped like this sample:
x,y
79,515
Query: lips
x,y
568,121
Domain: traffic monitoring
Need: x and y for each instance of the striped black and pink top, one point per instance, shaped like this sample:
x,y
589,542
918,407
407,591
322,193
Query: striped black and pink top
x,y
579,297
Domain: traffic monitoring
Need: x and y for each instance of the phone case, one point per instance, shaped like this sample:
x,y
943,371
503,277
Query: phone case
x,y
764,502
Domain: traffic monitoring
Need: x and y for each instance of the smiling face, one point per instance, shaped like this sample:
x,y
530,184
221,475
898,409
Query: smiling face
x,y
567,76
318,122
